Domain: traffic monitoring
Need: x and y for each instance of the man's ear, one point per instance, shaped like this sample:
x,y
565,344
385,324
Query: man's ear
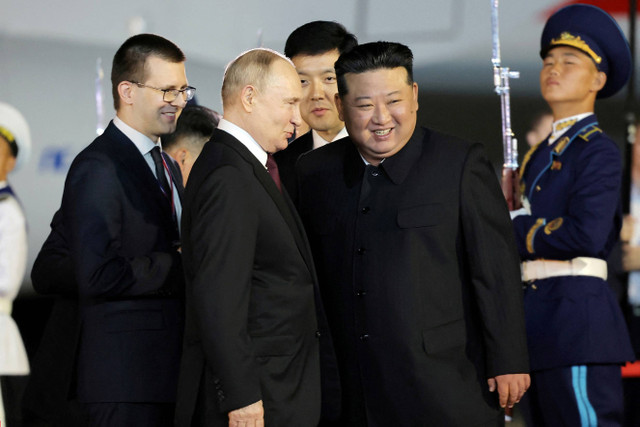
x,y
11,164
599,81
339,107
125,90
248,97
182,155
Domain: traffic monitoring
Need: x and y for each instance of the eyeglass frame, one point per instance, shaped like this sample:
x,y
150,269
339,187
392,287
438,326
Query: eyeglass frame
x,y
172,91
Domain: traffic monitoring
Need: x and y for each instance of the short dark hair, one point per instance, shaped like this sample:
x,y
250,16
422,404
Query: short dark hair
x,y
130,59
373,56
318,37
195,120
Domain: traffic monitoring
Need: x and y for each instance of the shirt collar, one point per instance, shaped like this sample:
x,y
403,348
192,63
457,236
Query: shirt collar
x,y
141,141
398,166
319,141
246,140
561,126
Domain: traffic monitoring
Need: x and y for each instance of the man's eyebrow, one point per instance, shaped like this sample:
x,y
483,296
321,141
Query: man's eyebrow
x,y
326,70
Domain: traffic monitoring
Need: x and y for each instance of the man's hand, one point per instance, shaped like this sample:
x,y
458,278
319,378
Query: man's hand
x,y
626,232
630,257
249,416
510,387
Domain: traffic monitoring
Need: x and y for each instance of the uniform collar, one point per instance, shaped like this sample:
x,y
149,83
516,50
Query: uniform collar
x,y
398,166
561,126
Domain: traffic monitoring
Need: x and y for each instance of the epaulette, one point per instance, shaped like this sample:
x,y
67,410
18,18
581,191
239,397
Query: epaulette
x,y
590,132
527,157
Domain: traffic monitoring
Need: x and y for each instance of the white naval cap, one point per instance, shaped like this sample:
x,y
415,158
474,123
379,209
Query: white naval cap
x,y
14,128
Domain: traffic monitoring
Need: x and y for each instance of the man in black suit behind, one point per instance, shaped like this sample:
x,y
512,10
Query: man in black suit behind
x,y
194,129
314,49
251,352
416,258
120,213
49,399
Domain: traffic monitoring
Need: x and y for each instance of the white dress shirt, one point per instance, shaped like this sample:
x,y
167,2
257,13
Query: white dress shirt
x,y
319,141
145,145
246,140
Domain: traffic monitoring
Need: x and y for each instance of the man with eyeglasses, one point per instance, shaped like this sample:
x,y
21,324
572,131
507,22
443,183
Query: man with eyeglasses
x,y
120,213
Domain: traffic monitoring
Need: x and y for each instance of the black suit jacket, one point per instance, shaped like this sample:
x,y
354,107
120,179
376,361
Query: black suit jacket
x,y
251,329
122,241
49,395
419,274
287,158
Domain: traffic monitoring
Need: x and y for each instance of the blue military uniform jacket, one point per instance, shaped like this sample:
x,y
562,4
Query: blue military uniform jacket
x,y
573,187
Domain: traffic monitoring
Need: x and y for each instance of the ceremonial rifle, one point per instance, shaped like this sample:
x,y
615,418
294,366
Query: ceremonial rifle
x,y
510,181
99,107
501,75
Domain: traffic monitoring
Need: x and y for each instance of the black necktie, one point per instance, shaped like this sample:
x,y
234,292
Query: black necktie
x,y
272,168
160,175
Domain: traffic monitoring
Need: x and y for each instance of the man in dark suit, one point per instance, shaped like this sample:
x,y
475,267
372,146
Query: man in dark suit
x,y
416,258
120,213
313,49
50,399
251,353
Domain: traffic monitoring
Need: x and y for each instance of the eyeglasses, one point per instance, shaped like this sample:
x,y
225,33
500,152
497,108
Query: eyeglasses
x,y
170,95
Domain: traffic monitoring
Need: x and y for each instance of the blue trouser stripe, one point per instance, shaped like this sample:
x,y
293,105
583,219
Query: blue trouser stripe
x,y
588,416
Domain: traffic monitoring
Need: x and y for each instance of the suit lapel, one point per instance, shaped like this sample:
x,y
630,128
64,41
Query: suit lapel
x,y
133,164
281,200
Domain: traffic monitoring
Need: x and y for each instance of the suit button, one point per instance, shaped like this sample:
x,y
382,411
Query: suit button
x,y
318,334
361,293
538,188
361,251
364,337
534,287
365,210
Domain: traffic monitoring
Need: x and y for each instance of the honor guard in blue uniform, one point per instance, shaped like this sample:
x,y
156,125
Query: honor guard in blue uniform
x,y
572,215
15,145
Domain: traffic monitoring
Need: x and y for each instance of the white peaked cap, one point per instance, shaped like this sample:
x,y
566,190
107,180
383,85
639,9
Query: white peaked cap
x,y
13,121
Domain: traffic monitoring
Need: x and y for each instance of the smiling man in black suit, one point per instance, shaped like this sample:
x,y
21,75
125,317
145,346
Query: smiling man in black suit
x,y
416,259
120,214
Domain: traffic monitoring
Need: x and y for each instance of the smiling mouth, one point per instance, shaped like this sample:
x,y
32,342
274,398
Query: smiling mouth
x,y
382,132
